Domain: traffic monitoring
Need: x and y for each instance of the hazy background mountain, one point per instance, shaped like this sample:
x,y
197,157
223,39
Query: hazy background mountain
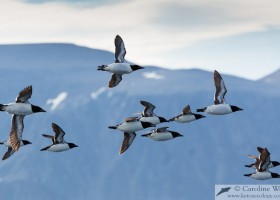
x,y
66,83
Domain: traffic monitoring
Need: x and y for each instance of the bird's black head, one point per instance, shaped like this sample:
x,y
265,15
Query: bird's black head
x,y
147,124
25,142
275,163
175,134
235,108
36,109
72,145
198,116
275,175
162,119
136,67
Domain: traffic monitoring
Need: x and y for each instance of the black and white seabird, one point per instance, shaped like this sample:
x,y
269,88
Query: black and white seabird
x,y
132,124
58,142
162,134
129,126
262,165
220,106
148,114
186,116
263,175
263,162
22,106
10,151
120,66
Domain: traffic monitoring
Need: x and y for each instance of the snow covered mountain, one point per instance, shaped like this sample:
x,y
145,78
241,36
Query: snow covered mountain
x,y
67,84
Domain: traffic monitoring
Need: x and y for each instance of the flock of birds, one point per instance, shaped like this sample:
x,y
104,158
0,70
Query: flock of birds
x,y
148,119
21,107
262,164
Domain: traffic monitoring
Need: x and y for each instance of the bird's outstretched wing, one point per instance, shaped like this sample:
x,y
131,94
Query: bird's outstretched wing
x,y
9,152
128,138
115,80
264,160
187,110
59,133
50,137
16,131
119,50
220,88
24,95
149,109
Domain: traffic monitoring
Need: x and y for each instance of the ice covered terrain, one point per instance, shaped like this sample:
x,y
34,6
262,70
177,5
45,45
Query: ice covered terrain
x,y
212,151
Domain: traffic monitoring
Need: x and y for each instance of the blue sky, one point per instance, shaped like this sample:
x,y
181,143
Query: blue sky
x,y
235,37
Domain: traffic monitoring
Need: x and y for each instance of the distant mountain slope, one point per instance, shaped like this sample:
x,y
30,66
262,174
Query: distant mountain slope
x,y
272,78
50,55
213,150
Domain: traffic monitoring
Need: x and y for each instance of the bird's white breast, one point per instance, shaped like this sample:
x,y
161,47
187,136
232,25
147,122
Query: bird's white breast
x,y
261,175
130,126
8,143
59,147
153,120
119,68
161,136
19,108
219,109
185,118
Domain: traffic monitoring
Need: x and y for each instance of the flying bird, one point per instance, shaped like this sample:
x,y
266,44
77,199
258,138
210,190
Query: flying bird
x,y
262,165
262,162
220,106
162,134
21,106
132,124
10,151
186,116
58,142
120,66
148,114
129,126
19,109
263,175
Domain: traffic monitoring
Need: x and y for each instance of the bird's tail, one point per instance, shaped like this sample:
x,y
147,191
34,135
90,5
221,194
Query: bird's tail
x,y
249,166
102,67
247,174
172,119
112,127
2,107
44,149
201,109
